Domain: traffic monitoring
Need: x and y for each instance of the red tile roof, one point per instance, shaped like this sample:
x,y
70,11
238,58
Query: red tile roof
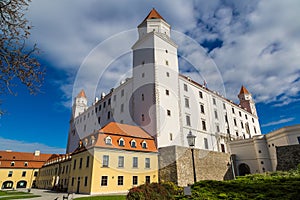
x,y
244,90
81,94
117,131
152,15
20,158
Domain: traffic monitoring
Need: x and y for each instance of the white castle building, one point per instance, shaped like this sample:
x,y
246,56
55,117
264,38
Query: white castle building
x,y
163,102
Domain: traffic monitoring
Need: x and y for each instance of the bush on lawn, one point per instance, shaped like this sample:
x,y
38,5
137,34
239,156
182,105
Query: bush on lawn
x,y
163,191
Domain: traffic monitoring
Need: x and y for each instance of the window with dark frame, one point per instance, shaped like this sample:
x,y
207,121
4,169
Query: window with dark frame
x,y
104,180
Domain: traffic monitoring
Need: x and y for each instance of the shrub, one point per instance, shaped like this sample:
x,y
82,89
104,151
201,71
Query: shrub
x,y
164,191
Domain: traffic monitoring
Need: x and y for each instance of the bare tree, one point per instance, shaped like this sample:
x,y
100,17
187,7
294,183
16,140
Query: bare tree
x,y
18,62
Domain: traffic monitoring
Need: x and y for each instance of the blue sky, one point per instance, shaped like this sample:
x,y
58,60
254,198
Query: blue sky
x,y
254,43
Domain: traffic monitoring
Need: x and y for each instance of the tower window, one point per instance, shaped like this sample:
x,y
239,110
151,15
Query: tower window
x,y
185,87
108,115
167,92
171,136
168,112
122,107
122,93
205,143
188,120
143,97
143,117
168,74
166,51
233,110
240,113
214,101
115,97
109,100
167,62
186,102
246,116
203,125
216,114
143,75
200,94
202,108
143,62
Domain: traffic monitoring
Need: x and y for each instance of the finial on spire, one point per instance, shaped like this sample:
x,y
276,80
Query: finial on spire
x,y
244,90
81,94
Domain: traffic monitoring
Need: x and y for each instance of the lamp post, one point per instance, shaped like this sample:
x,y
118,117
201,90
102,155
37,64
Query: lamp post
x,y
191,141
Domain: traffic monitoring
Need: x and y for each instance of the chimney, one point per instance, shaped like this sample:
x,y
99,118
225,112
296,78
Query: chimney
x,y
37,153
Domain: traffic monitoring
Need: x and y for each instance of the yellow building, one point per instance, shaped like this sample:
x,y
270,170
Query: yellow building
x,y
112,160
20,169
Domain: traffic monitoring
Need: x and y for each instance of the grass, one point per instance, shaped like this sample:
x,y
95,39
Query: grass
x,y
117,197
278,185
12,194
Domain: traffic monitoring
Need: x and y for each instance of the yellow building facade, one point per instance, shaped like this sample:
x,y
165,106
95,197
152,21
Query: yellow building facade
x,y
20,169
112,160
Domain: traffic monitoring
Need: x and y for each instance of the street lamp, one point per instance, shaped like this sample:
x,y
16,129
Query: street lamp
x,y
191,141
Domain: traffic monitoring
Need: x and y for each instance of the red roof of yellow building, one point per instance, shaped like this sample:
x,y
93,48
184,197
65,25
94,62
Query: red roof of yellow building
x,y
244,90
10,159
118,132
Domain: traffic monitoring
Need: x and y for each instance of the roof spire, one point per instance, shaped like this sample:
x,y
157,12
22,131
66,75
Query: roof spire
x,y
81,94
153,15
244,90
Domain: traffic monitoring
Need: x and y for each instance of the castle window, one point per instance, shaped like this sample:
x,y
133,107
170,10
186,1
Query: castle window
x,y
120,180
171,136
240,113
104,180
122,93
87,161
202,108
168,74
233,110
237,133
255,130
143,97
108,140
85,181
109,100
262,162
134,180
143,117
104,104
185,87
115,97
99,120
200,95
203,125
167,62
122,107
144,144
188,120
99,107
169,112
143,62
80,163
214,101
246,116
84,127
23,173
121,161
135,162
205,143
216,114
167,92
143,75
88,115
234,120
147,163
242,125
253,120
217,128
186,102
121,142
133,143
108,115
105,161
223,148
166,51
10,173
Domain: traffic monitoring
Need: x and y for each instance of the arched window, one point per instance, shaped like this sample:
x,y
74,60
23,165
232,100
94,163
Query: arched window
x,y
7,185
121,142
22,184
108,140
144,144
133,143
244,169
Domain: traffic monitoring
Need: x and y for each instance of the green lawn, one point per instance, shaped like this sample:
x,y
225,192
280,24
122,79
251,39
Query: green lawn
x,y
11,194
118,197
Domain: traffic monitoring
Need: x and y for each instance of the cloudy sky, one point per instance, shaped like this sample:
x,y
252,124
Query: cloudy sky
x,y
87,44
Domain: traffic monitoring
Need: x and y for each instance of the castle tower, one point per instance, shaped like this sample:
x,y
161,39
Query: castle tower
x,y
246,100
80,104
155,80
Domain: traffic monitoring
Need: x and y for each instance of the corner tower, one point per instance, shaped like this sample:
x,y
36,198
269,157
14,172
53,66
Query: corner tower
x,y
80,104
155,98
246,100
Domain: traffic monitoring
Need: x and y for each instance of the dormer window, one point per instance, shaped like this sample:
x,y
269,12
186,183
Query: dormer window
x,y
108,140
12,164
144,144
133,143
121,142
25,164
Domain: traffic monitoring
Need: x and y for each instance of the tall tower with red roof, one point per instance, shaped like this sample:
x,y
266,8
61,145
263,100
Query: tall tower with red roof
x,y
80,104
246,100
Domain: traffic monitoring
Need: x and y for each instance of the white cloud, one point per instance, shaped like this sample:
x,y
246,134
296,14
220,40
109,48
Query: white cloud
x,y
22,146
281,121
261,41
